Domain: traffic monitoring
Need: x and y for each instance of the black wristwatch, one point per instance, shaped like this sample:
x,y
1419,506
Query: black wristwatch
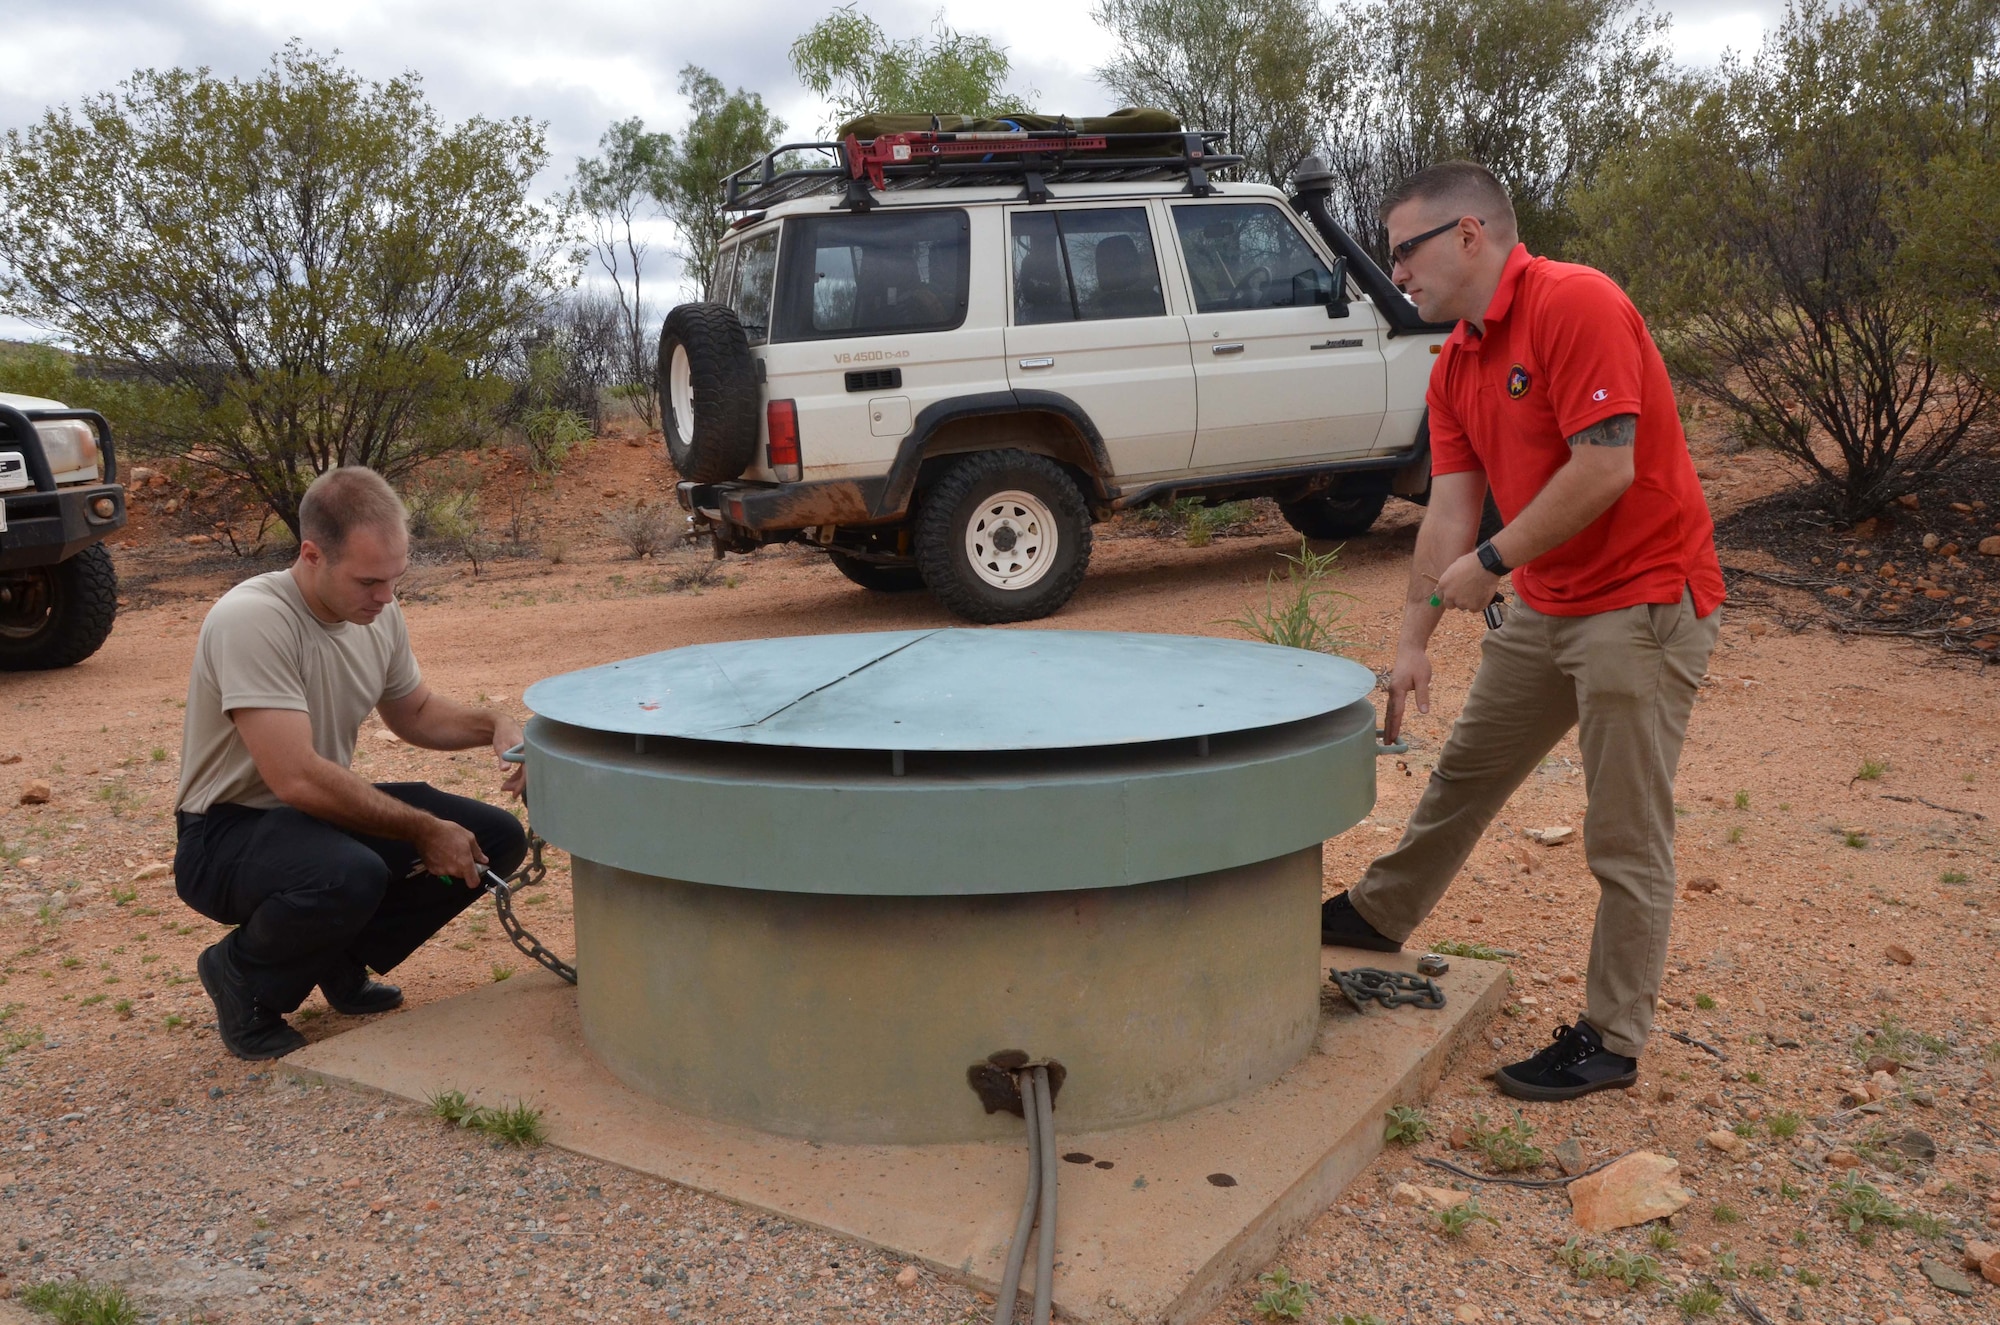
x,y
1489,557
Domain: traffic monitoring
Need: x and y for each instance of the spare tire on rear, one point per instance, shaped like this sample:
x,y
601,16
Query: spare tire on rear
x,y
708,393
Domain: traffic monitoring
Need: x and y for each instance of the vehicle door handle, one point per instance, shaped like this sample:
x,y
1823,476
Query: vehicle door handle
x,y
1226,349
1038,363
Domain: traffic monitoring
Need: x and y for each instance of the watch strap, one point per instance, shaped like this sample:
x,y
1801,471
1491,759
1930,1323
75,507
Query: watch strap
x,y
1489,557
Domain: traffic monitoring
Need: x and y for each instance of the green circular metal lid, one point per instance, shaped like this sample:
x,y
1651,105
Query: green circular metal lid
x,y
954,690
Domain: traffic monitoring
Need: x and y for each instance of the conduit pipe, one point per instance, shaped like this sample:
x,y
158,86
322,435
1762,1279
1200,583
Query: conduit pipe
x,y
1038,1207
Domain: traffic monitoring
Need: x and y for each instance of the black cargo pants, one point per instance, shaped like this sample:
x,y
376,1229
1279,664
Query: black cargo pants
x,y
313,902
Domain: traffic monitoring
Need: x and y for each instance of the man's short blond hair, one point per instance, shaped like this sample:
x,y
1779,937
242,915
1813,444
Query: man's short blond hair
x,y
1466,187
343,500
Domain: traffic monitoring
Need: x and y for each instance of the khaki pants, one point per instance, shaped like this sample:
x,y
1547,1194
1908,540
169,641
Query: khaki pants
x,y
1626,679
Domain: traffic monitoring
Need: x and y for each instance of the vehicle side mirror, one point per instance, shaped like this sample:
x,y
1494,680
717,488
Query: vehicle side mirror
x,y
1336,298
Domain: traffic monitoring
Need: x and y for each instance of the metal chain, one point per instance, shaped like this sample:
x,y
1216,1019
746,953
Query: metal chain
x,y
1390,988
531,872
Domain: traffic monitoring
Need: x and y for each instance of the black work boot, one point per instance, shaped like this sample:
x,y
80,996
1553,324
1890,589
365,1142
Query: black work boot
x,y
248,1029
349,991
1341,926
1577,1063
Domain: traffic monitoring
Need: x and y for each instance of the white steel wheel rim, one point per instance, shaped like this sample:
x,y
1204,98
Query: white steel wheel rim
x,y
680,392
1011,540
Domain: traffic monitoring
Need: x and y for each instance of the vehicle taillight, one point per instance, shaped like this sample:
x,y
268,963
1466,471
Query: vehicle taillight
x,y
782,420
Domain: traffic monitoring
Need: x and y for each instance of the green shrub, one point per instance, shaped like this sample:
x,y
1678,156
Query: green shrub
x,y
78,1302
1283,1298
1407,1126
1300,610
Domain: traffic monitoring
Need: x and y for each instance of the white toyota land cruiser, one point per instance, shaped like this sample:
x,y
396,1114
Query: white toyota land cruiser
x,y
947,354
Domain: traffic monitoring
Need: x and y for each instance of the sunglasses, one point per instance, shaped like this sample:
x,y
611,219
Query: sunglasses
x,y
1402,251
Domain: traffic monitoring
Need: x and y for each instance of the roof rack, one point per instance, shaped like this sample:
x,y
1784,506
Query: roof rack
x,y
1035,158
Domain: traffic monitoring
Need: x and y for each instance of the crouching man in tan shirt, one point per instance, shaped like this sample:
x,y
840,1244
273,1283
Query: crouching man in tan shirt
x,y
325,875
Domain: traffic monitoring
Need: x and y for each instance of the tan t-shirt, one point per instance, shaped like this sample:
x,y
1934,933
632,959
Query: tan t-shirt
x,y
262,648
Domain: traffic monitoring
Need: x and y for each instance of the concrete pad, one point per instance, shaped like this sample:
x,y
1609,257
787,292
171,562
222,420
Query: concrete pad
x,y
1154,1232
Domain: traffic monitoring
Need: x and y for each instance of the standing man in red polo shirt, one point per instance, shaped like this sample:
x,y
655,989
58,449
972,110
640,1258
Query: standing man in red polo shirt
x,y
1551,393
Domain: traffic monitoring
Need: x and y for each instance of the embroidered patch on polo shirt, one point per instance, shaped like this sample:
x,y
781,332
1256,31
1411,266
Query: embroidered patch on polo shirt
x,y
1517,381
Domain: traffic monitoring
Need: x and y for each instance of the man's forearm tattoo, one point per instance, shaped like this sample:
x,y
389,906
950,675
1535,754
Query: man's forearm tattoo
x,y
1618,430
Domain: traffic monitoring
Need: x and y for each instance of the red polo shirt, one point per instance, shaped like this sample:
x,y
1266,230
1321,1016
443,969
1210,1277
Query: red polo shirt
x,y
1564,348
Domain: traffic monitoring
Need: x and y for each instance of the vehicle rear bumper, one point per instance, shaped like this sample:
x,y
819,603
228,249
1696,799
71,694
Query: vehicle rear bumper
x,y
759,508
44,528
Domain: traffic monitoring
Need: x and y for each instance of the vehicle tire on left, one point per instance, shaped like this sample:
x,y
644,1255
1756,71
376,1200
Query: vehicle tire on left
x,y
56,616
1003,536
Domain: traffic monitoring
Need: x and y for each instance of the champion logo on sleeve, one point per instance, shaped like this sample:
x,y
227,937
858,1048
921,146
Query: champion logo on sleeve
x,y
1599,394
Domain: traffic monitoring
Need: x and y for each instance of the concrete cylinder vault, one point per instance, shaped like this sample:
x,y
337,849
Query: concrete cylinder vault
x,y
816,879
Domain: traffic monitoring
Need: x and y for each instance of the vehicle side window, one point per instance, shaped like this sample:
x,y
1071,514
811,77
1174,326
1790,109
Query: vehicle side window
x,y
1082,266
878,272
1248,255
722,282
756,264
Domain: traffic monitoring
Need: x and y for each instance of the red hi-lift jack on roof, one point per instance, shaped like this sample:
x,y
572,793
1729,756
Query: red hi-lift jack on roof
x,y
869,158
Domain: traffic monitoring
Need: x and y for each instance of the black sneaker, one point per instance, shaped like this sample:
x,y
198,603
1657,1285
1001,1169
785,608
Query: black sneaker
x,y
352,993
1341,926
1577,1063
248,1029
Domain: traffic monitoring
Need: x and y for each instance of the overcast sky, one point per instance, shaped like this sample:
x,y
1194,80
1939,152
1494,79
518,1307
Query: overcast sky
x,y
582,64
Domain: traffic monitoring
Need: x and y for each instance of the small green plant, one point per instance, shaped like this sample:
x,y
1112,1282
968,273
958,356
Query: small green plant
x,y
1895,1041
124,896
1407,1126
1871,770
1754,1078
1725,1265
1584,1263
1634,1269
1860,1204
1724,1213
1928,1227
93,1000
1742,799
1787,1192
1662,1238
501,972
1706,1002
1784,807
159,754
1855,838
552,434
79,1302
1283,1298
1810,1278
1507,1148
1953,876
1454,1220
1783,1126
174,1021
1354,1318
1736,835
1698,1302
1801,1238
1745,1129
1478,952
123,1007
516,1125
451,1106
70,963
1301,611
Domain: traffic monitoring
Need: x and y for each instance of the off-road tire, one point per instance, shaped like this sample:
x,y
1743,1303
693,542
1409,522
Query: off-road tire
x,y
947,513
1334,518
718,386
68,619
875,575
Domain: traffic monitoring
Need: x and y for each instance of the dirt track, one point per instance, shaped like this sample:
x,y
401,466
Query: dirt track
x,y
135,1150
